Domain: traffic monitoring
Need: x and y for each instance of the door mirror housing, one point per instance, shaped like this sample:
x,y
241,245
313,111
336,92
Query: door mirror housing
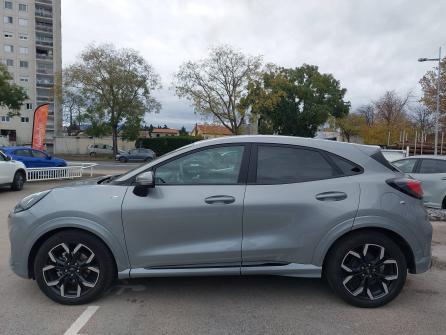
x,y
48,157
143,183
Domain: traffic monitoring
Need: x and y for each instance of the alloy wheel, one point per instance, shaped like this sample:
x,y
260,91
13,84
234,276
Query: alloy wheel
x,y
71,270
369,272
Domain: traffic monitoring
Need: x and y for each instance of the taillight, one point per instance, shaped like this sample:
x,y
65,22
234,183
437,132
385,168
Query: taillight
x,y
411,187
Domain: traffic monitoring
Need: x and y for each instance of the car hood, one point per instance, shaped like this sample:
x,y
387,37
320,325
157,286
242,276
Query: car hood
x,y
85,182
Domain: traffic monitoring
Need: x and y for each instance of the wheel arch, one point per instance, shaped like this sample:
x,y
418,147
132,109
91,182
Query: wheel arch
x,y
38,243
397,238
22,171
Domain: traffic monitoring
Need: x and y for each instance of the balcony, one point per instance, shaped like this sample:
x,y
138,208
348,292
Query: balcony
x,y
44,43
47,28
44,57
44,14
44,2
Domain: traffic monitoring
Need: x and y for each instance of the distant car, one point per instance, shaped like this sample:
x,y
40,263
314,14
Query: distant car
x,y
12,173
431,171
33,158
101,149
143,155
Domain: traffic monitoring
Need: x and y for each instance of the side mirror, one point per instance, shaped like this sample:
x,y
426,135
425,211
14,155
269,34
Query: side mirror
x,y
143,183
48,157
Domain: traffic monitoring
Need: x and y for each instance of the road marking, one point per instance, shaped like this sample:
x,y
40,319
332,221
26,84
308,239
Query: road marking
x,y
81,321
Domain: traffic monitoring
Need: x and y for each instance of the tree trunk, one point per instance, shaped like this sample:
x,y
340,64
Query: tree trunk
x,y
115,140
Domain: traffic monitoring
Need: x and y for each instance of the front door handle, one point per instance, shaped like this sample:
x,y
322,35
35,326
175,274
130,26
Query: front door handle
x,y
331,196
219,199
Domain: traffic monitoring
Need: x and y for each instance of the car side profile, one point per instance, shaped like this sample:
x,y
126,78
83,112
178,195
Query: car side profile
x,y
12,173
33,158
243,205
140,154
431,171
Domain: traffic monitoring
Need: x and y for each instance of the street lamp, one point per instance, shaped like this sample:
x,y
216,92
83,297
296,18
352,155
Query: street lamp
x,y
437,114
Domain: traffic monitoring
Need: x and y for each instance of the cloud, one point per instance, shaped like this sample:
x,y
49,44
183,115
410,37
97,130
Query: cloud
x,y
370,46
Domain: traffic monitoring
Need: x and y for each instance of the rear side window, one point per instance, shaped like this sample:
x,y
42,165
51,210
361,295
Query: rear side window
x,y
347,168
405,165
379,157
282,165
23,152
433,166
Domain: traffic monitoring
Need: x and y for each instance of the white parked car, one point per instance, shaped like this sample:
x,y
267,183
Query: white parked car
x,y
12,173
101,149
431,171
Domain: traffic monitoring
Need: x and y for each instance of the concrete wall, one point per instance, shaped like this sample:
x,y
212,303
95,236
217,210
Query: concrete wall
x,y
75,145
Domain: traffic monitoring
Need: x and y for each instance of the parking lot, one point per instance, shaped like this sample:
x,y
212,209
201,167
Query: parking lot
x,y
222,305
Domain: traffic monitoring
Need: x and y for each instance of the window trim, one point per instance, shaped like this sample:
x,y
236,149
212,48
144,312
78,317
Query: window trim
x,y
242,177
252,176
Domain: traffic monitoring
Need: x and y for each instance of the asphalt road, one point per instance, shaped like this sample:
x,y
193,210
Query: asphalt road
x,y
222,305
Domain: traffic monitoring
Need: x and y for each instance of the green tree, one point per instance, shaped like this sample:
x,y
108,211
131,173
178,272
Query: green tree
x,y
351,125
429,87
116,84
183,131
12,96
295,101
216,85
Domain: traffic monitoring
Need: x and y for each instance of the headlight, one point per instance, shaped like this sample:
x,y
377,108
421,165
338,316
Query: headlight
x,y
29,201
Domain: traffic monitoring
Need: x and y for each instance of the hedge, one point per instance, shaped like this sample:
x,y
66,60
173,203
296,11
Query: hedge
x,y
162,145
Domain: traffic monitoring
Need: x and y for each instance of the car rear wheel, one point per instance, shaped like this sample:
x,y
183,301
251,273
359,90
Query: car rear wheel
x,y
18,181
367,269
92,154
74,267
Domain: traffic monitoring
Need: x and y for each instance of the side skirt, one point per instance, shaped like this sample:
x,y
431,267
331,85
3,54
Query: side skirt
x,y
289,270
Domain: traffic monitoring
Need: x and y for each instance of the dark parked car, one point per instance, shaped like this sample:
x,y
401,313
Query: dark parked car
x,y
143,155
33,158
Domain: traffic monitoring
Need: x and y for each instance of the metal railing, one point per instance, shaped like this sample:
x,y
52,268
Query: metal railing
x,y
58,173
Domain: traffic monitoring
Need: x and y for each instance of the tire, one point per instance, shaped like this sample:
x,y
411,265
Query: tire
x,y
367,269
73,278
18,181
92,154
123,159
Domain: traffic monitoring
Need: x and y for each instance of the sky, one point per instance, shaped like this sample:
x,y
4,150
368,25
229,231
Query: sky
x,y
369,46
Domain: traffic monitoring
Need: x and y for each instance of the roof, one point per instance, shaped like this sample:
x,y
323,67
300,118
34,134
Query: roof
x,y
165,131
15,148
212,129
426,156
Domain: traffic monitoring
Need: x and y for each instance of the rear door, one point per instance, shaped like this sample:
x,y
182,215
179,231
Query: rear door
x,y
294,196
24,156
432,173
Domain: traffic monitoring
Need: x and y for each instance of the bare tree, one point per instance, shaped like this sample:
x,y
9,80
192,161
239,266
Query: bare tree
x,y
391,108
368,112
423,118
216,85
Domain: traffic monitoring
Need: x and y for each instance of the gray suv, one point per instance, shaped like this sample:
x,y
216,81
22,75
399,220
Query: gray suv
x,y
245,205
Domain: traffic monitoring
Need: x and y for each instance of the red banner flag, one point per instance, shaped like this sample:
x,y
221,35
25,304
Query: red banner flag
x,y
39,127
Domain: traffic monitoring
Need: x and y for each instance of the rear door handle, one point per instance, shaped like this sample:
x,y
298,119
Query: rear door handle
x,y
331,196
219,199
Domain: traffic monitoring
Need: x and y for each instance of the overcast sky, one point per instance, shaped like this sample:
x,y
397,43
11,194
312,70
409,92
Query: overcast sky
x,y
370,46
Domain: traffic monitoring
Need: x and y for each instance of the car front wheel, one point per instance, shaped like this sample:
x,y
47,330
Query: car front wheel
x,y
73,267
18,181
367,269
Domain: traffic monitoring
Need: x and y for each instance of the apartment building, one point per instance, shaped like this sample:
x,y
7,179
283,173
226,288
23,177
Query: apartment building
x,y
31,50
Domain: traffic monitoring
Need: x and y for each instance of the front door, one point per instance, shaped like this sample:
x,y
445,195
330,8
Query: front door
x,y
295,196
7,170
193,216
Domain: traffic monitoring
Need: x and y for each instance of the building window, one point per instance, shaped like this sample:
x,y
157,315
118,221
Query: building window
x,y
29,106
23,50
24,119
23,7
24,79
8,4
7,19
9,62
4,118
24,63
23,37
23,22
8,35
8,48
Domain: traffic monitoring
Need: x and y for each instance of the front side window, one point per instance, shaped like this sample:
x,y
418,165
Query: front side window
x,y
405,165
433,166
283,164
219,165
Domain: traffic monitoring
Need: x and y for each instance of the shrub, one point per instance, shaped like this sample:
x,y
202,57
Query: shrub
x,y
162,145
